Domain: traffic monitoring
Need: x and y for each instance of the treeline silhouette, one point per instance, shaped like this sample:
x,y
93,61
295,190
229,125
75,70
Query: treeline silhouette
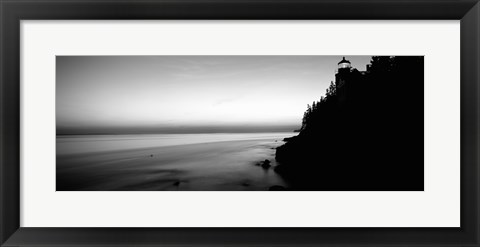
x,y
365,135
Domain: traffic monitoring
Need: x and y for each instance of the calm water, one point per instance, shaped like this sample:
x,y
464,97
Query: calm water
x,y
217,161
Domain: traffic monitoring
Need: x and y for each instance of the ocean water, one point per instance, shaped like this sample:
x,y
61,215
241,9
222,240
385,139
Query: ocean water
x,y
179,162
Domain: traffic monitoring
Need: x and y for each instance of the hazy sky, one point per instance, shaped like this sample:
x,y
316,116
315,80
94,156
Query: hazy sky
x,y
111,94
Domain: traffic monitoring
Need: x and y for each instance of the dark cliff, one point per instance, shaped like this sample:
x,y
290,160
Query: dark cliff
x,y
366,133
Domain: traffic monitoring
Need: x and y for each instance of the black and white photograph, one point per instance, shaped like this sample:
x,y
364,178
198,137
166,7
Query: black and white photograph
x,y
240,123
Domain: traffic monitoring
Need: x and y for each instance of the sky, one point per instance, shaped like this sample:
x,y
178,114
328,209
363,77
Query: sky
x,y
189,94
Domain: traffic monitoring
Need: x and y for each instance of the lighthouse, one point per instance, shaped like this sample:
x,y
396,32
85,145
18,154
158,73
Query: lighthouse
x,y
344,69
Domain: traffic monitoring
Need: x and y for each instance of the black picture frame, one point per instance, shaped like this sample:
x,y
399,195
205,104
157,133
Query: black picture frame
x,y
13,11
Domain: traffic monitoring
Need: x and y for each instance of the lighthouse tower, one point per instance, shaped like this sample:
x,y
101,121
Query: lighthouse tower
x,y
343,71
342,78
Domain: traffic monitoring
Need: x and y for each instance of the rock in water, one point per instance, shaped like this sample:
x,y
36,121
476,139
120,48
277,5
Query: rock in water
x,y
266,164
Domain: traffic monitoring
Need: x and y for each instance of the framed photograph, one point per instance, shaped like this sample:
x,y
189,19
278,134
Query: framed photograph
x,y
239,123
